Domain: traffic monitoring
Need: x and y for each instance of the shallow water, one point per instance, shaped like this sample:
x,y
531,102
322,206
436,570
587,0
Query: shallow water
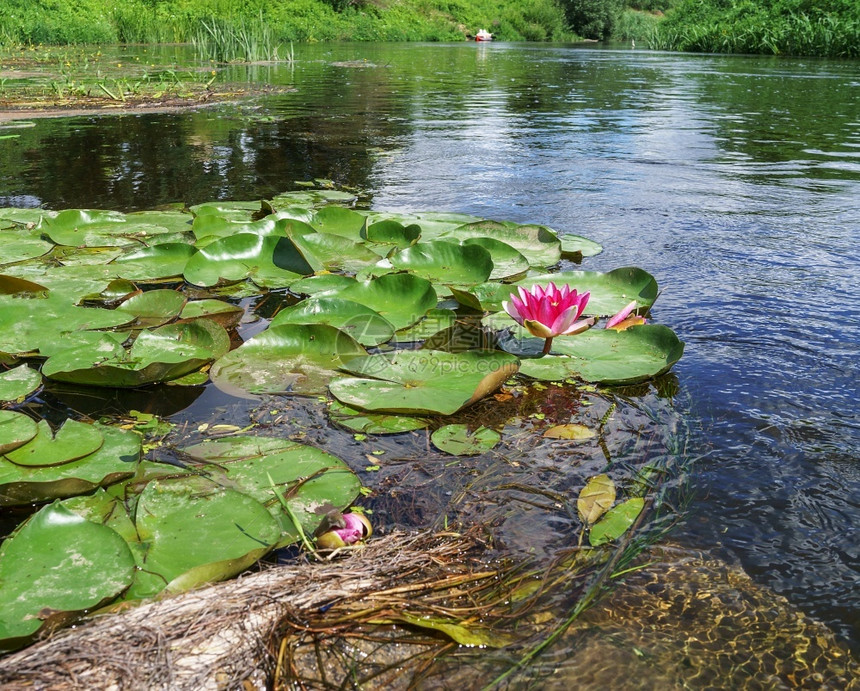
x,y
734,180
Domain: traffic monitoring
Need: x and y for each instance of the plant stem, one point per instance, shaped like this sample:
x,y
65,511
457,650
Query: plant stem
x,y
546,346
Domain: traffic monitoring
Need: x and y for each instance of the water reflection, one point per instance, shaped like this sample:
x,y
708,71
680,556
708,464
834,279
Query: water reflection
x,y
733,180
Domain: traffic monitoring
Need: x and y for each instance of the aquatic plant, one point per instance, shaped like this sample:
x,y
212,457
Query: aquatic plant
x,y
400,317
549,312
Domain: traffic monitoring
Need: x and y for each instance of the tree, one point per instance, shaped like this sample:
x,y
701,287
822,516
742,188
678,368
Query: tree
x,y
592,18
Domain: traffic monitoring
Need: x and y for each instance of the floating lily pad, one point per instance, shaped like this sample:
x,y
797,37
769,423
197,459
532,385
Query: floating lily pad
x,y
507,261
55,566
373,423
152,308
73,440
311,481
538,244
152,263
18,382
270,261
192,532
12,285
224,313
576,247
457,440
217,226
116,460
16,429
402,299
86,228
423,381
608,356
616,521
433,322
445,262
390,232
50,323
16,246
159,355
323,284
365,325
335,253
339,221
291,358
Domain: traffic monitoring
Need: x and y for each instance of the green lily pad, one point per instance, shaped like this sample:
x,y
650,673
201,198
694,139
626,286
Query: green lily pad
x,y
217,226
336,253
153,263
365,325
12,285
72,441
152,308
373,423
609,356
576,247
116,460
458,441
323,284
507,261
291,358
402,299
270,261
433,322
423,381
445,262
236,211
16,429
48,324
19,382
224,313
192,531
55,566
16,246
86,228
338,220
616,521
159,355
538,244
311,481
390,232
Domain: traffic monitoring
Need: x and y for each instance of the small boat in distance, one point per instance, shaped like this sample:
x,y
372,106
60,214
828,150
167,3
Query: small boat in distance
x,y
483,35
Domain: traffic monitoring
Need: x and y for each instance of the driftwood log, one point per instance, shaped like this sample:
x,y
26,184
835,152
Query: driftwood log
x,y
219,636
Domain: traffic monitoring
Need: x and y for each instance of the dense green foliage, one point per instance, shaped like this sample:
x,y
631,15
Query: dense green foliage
x,y
789,27
151,21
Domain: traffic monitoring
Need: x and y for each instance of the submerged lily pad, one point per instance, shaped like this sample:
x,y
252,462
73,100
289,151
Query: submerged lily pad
x,y
55,566
609,356
18,382
457,440
291,358
616,521
373,423
425,381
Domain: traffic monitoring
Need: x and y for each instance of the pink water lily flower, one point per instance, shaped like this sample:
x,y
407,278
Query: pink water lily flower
x,y
351,528
549,312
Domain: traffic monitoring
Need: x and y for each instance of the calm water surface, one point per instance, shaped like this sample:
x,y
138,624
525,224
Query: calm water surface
x,y
734,180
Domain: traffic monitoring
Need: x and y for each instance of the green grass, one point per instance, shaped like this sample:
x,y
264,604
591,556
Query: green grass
x,y
827,28
253,29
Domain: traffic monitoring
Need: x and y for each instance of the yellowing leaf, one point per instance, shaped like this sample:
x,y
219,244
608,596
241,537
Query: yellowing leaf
x,y
570,431
595,498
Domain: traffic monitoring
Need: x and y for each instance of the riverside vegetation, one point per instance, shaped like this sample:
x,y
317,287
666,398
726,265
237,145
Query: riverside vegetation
x,y
792,27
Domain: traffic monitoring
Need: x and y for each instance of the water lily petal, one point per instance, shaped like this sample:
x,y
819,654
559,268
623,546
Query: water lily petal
x,y
537,329
579,327
622,315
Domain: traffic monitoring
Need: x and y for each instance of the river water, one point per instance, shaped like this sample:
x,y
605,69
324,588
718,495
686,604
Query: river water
x,y
735,181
